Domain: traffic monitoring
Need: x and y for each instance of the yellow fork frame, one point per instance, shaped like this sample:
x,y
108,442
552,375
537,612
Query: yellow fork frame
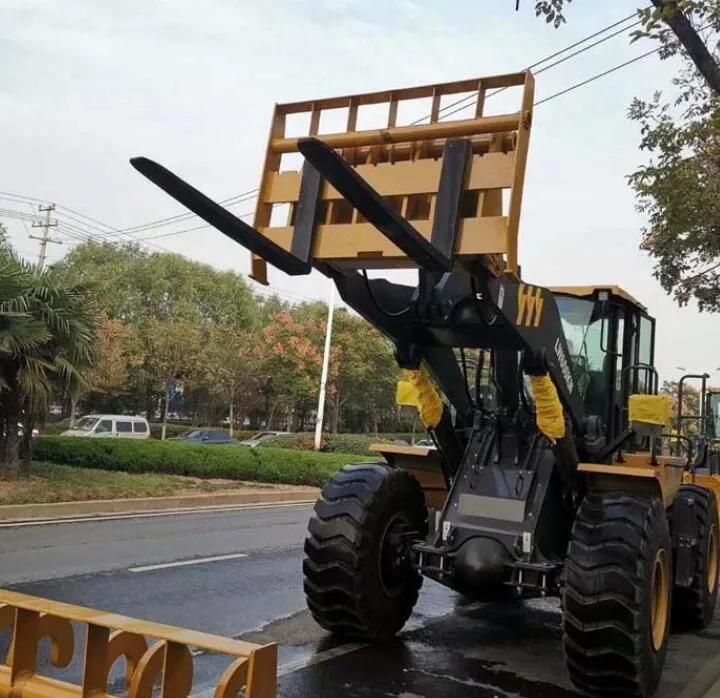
x,y
110,637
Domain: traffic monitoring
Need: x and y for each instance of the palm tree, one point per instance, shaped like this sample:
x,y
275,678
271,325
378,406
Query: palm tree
x,y
47,336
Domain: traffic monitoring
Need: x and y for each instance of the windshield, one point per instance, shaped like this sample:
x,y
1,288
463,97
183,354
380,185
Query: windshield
x,y
583,332
85,424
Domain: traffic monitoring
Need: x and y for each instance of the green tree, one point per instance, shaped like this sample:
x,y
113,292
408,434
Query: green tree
x,y
292,350
677,188
362,382
231,361
47,339
133,285
172,353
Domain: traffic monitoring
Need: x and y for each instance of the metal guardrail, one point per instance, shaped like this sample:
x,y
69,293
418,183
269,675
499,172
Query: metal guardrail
x,y
169,661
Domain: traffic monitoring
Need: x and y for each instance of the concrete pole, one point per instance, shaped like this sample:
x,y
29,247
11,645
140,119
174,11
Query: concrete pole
x,y
325,366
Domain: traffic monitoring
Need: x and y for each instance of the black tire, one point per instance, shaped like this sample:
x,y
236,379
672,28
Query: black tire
x,y
694,606
618,595
356,583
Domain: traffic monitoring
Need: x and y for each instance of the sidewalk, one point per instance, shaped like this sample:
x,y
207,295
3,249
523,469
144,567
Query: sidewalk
x,y
251,496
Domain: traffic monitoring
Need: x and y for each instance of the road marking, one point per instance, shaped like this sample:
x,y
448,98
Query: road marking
x,y
186,563
321,657
154,514
299,664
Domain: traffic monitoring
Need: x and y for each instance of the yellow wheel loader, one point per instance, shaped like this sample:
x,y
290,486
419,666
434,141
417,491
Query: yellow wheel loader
x,y
551,474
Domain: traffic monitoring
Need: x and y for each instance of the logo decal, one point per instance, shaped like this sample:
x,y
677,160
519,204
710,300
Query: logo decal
x,y
564,364
530,306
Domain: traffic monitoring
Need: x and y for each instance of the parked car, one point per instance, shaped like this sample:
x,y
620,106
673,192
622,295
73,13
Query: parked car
x,y
206,436
103,426
255,441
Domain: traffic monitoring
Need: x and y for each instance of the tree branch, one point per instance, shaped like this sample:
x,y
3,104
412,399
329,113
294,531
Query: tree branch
x,y
688,37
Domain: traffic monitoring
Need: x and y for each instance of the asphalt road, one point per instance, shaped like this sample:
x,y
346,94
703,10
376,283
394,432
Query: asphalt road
x,y
254,591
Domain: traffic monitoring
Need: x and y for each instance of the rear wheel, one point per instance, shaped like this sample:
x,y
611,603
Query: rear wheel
x,y
359,580
617,595
694,605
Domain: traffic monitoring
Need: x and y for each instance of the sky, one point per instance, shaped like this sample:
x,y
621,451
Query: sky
x,y
87,84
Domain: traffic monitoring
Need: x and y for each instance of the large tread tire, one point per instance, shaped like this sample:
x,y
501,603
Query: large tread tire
x,y
694,606
343,580
614,559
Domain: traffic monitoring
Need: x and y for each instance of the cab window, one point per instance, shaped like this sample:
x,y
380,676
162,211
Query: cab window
x,y
104,427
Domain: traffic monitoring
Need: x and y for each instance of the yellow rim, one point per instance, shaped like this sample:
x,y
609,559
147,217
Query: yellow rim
x,y
712,570
659,598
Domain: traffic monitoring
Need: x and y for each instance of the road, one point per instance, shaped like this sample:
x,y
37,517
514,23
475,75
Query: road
x,y
237,573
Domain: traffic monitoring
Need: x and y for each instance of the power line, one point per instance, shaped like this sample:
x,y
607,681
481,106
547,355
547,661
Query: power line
x,y
470,98
190,230
598,76
161,222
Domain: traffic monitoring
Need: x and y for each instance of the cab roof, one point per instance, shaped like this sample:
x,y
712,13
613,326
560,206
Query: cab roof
x,y
589,291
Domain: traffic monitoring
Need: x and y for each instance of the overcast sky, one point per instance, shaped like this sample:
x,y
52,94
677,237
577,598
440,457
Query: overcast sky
x,y
86,84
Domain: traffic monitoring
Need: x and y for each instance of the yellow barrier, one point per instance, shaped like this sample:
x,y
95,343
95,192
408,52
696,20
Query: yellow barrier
x,y
110,637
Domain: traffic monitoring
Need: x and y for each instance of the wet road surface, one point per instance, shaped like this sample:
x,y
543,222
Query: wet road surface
x,y
251,587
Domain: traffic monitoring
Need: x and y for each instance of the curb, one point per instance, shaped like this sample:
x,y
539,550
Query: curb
x,y
11,513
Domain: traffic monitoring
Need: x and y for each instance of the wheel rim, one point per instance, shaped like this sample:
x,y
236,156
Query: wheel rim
x,y
659,599
392,561
712,571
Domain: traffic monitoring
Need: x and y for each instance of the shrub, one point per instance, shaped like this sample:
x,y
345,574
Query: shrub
x,y
271,465
358,444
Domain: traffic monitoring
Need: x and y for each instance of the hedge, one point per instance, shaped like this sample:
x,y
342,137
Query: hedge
x,y
271,465
358,444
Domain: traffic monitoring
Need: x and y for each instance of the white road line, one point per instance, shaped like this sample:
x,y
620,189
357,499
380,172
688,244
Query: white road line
x,y
186,563
153,514
299,664
320,657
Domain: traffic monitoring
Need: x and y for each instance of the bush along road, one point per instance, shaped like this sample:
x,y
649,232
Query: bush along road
x,y
273,465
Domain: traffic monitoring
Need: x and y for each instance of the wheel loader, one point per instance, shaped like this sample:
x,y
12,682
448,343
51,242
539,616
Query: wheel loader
x,y
552,473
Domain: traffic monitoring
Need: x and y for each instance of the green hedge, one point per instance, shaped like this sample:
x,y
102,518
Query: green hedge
x,y
232,462
358,444
175,429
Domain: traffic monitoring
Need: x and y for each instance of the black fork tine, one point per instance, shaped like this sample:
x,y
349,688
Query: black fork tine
x,y
221,218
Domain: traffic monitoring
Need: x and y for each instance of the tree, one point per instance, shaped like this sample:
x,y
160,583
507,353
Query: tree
x,y
365,373
118,357
172,351
677,189
292,351
47,337
681,19
131,284
232,368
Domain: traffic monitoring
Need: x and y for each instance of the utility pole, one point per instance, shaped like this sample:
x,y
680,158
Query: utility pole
x,y
45,237
325,366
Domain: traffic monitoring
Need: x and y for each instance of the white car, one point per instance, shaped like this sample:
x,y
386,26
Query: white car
x,y
103,426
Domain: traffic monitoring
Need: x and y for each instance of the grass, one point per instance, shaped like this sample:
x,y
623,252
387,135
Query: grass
x,y
62,483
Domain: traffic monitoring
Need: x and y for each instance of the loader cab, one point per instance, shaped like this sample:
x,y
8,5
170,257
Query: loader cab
x,y
611,339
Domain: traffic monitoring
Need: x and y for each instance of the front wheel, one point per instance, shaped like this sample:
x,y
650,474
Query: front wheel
x,y
359,580
617,596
